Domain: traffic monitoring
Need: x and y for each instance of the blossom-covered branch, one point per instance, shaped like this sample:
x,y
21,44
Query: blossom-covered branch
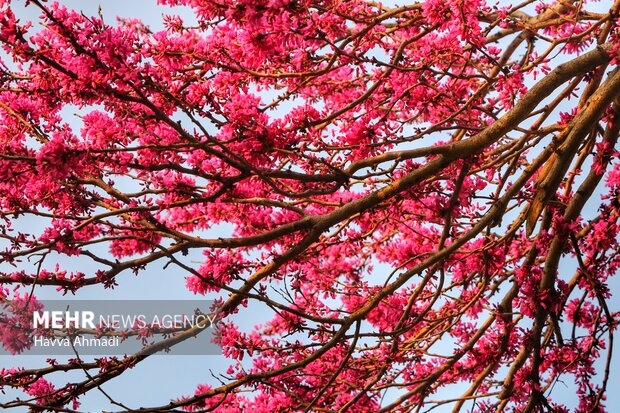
x,y
424,196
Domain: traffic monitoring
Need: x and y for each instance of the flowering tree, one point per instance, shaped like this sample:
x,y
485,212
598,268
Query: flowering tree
x,y
426,196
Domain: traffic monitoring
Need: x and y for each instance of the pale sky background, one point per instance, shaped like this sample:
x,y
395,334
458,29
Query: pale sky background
x,y
162,378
